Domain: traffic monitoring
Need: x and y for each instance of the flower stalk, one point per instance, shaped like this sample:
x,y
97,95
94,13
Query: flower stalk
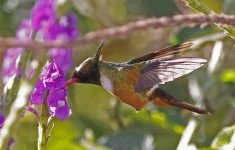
x,y
44,125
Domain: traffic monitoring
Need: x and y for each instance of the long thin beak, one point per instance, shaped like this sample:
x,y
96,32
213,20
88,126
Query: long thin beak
x,y
71,81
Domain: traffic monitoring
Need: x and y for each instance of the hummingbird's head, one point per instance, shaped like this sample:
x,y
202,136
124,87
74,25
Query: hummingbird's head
x,y
88,70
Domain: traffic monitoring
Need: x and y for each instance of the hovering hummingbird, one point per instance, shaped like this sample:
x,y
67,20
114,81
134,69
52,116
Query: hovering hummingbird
x,y
136,82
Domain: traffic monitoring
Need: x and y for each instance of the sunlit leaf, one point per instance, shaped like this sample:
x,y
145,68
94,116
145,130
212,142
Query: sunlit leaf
x,y
225,139
215,5
228,76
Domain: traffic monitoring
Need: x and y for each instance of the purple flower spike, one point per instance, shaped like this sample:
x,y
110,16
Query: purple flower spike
x,y
52,77
37,97
25,30
62,57
66,29
1,120
69,23
10,63
12,55
62,112
43,14
56,96
53,80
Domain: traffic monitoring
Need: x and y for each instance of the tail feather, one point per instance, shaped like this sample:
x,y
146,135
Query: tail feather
x,y
157,94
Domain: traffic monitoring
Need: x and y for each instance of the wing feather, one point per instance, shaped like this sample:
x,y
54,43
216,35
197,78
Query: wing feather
x,y
160,72
164,53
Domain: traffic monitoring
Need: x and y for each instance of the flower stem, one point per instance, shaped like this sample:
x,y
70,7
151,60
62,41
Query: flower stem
x,y
43,125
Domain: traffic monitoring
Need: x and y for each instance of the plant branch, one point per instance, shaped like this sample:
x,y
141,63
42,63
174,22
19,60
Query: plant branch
x,y
141,25
195,4
43,124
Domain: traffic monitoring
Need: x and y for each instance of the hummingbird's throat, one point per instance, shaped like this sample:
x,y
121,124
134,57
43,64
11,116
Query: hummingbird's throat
x,y
71,81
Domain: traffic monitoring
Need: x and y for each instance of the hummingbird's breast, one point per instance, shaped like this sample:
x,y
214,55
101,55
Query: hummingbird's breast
x,y
120,80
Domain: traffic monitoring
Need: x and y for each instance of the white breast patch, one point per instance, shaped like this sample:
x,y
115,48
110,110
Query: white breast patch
x,y
106,83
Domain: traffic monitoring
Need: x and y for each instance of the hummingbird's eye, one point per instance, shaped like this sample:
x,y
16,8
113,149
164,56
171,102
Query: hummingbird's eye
x,y
78,74
81,74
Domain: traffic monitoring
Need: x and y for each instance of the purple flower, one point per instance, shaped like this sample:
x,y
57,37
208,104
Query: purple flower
x,y
25,30
63,30
56,96
52,80
63,111
10,63
37,97
52,77
1,120
66,29
62,57
43,14
9,143
12,56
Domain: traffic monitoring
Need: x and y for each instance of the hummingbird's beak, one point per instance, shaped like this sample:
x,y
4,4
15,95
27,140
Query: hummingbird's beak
x,y
70,81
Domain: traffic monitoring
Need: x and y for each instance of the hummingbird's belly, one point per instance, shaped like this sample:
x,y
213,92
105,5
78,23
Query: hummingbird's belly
x,y
130,97
121,84
124,91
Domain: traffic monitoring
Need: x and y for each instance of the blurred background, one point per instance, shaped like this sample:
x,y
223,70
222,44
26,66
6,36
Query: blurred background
x,y
98,120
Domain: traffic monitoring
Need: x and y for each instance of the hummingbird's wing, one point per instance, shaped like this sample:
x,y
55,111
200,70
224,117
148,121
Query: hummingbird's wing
x,y
163,54
159,72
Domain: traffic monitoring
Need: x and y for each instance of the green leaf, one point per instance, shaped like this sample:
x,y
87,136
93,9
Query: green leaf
x,y
228,76
198,6
215,5
224,137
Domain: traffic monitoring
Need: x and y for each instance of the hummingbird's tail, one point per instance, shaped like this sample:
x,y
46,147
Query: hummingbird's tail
x,y
160,97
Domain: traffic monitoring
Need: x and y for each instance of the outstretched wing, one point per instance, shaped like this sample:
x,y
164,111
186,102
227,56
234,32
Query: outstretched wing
x,y
163,54
159,72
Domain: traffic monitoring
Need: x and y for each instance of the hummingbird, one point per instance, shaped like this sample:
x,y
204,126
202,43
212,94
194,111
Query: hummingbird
x,y
137,81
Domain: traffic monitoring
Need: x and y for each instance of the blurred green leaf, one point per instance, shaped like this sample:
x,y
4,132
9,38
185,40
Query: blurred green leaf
x,y
215,5
198,6
64,136
224,137
228,76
